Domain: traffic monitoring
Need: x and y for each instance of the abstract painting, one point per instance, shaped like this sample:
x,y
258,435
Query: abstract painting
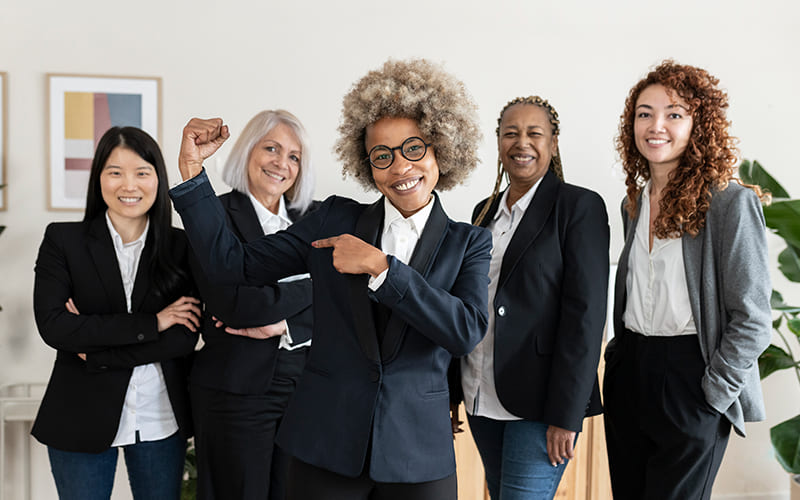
x,y
82,109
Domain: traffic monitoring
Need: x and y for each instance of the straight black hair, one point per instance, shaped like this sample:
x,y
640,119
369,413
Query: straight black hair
x,y
164,273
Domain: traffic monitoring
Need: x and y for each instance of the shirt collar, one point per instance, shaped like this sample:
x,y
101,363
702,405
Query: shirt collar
x,y
416,221
117,239
265,215
521,204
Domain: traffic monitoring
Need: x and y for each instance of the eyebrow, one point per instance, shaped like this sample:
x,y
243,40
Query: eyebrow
x,y
528,127
676,105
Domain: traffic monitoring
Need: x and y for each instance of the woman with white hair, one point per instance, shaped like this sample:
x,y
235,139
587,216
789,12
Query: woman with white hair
x,y
256,337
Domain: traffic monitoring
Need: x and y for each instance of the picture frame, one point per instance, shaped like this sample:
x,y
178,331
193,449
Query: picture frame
x,y
3,139
81,108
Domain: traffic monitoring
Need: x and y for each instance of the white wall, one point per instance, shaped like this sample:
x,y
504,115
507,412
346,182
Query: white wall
x,y
235,58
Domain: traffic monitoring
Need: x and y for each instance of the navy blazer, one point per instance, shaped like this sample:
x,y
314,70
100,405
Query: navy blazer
x,y
355,390
550,306
83,402
233,363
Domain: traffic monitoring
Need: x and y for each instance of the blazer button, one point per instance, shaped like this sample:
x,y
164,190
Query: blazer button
x,y
140,336
374,374
501,311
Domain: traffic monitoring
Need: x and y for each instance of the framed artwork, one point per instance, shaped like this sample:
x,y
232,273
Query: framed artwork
x,y
81,109
3,136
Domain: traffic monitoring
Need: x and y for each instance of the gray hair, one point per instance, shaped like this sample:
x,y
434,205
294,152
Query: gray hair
x,y
234,173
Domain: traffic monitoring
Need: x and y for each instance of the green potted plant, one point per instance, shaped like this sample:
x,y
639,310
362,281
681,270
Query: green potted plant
x,y
783,218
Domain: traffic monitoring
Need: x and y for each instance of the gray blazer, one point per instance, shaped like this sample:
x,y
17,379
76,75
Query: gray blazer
x,y
727,274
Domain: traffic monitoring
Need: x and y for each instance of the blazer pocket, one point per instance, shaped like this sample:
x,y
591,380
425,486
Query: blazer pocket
x,y
441,393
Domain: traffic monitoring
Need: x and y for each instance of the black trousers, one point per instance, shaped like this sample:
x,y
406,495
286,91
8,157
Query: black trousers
x,y
235,436
664,440
307,482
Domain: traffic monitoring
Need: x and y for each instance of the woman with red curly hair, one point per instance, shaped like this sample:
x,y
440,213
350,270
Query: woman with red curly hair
x,y
691,311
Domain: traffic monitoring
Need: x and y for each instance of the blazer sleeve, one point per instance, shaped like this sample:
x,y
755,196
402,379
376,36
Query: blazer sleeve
x,y
745,288
226,260
583,303
174,342
252,306
83,333
456,319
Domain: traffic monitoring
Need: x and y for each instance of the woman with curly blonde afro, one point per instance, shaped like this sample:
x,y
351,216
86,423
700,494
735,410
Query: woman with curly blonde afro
x,y
399,288
692,311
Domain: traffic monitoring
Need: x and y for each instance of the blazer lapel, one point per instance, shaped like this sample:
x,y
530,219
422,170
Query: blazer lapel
x,y
244,217
101,248
531,224
367,228
421,260
620,288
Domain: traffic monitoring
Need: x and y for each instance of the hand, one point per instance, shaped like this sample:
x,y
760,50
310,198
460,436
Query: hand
x,y
82,355
559,445
184,311
201,139
71,307
352,255
258,332
455,423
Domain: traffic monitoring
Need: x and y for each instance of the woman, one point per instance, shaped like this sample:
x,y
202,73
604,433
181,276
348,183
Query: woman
x,y
533,378
692,312
240,386
113,296
398,287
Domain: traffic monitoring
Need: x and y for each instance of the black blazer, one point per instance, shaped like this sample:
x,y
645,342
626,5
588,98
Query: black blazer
x,y
236,364
550,306
355,389
83,402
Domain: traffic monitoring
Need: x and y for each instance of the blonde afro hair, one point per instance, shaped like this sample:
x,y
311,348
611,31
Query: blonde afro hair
x,y
420,90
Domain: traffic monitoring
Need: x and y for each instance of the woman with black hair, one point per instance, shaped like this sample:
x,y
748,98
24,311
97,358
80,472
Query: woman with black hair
x,y
113,296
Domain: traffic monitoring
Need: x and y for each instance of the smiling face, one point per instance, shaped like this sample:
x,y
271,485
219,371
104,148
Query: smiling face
x,y
129,185
662,127
526,144
406,184
273,165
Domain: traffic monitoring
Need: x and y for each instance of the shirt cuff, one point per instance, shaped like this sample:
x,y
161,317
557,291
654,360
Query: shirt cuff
x,y
377,281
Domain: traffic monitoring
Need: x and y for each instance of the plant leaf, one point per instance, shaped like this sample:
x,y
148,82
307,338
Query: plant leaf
x,y
786,442
794,326
789,263
784,218
777,304
773,359
754,173
2,228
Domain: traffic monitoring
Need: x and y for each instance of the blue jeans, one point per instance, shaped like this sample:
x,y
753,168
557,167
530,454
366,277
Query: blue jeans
x,y
155,470
514,455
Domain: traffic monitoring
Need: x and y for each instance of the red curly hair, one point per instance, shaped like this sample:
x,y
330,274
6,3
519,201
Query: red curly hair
x,y
708,163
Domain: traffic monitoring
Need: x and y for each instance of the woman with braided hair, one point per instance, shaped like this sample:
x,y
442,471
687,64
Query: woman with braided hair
x,y
691,309
533,378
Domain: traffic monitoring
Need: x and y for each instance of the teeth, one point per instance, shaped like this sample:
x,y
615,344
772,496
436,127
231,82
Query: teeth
x,y
275,176
657,141
128,200
522,157
406,185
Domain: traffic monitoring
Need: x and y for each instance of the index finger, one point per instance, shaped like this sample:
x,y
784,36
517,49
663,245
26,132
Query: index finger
x,y
325,242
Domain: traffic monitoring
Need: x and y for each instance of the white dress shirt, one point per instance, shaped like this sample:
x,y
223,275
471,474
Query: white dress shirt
x,y
400,236
147,408
477,368
658,297
272,223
